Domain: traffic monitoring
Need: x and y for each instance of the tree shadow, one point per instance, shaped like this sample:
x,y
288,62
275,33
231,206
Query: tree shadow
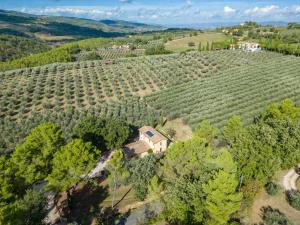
x,y
85,203
109,216
122,198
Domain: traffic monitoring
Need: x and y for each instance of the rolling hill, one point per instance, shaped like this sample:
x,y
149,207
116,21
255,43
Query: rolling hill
x,y
54,28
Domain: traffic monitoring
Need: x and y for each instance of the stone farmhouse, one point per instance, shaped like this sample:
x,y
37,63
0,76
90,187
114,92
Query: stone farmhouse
x,y
149,138
157,142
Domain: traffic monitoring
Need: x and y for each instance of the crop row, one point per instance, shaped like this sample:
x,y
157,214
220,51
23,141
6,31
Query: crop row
x,y
96,84
91,83
239,91
134,111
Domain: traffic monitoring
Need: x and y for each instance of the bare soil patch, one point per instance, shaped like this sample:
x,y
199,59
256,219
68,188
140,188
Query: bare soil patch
x,y
183,131
276,202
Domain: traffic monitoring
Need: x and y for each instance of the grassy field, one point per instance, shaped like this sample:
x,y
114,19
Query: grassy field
x,y
181,44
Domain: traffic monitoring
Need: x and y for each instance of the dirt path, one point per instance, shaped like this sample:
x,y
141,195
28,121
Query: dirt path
x,y
289,180
135,205
96,172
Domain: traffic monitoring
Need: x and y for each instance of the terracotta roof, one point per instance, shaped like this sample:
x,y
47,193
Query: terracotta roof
x,y
153,135
136,148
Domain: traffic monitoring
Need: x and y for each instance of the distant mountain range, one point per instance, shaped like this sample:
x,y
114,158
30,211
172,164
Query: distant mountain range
x,y
56,28
224,24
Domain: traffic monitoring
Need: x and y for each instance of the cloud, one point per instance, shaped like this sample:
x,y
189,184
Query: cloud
x,y
154,16
188,12
295,9
189,2
84,12
229,10
263,11
125,1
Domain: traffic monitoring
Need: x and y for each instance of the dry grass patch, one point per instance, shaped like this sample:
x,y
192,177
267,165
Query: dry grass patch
x,y
124,196
183,131
182,44
47,37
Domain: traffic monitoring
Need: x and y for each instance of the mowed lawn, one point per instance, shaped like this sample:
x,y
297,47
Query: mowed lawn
x,y
182,44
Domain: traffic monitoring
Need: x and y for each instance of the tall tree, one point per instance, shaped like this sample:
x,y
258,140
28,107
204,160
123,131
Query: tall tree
x,y
255,157
103,133
31,210
185,168
116,133
207,131
233,130
155,187
117,172
286,109
141,172
71,164
222,199
33,158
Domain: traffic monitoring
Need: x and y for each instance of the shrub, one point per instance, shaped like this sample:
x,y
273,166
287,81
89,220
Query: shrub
x,y
160,49
293,197
274,217
171,132
191,44
150,151
272,188
250,189
90,56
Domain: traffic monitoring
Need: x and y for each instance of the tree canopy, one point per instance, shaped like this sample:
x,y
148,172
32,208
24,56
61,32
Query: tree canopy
x,y
141,171
32,159
71,164
192,183
104,133
6,184
271,143
222,199
30,210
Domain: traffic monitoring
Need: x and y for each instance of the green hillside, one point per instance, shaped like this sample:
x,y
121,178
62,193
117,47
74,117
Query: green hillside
x,y
12,47
65,28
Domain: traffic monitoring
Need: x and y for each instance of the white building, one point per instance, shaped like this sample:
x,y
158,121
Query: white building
x,y
250,47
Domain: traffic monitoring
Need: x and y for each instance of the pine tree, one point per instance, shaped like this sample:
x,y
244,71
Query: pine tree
x,y
71,164
32,159
222,200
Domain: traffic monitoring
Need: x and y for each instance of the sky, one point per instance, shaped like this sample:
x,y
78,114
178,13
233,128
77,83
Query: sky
x,y
164,12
